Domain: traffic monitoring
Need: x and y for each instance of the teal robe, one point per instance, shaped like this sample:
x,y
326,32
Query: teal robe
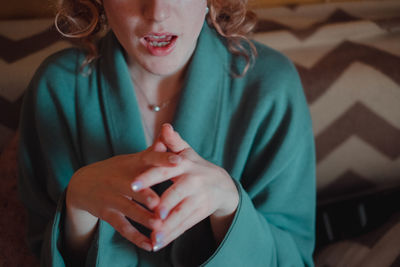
x,y
258,128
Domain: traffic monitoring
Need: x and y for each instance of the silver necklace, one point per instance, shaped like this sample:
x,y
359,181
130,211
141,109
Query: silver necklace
x,y
155,107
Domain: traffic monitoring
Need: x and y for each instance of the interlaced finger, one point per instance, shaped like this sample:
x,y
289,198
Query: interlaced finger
x,y
122,185
136,212
127,230
146,197
182,217
154,158
181,189
158,146
172,139
154,176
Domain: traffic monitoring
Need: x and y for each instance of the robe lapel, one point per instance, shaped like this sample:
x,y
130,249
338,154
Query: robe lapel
x,y
199,110
120,104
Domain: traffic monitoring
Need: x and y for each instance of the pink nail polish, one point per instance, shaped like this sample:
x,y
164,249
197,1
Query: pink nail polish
x,y
168,125
156,247
163,213
159,237
136,186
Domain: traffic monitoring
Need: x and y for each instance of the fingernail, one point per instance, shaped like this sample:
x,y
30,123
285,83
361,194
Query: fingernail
x,y
168,125
163,213
136,186
174,159
157,247
159,237
149,199
146,246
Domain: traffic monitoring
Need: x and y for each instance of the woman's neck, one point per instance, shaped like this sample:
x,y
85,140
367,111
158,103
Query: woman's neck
x,y
156,88
163,91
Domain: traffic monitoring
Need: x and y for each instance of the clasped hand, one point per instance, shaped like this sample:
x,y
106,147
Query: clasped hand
x,y
112,190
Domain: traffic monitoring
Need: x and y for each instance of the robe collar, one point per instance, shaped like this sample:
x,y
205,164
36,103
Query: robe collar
x,y
199,109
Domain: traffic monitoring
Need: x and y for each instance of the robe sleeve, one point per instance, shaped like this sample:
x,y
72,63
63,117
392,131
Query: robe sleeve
x,y
47,159
274,224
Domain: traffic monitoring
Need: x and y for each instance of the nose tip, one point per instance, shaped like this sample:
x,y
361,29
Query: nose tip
x,y
157,10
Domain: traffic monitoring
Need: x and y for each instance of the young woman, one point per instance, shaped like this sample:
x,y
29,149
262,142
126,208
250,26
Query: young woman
x,y
167,142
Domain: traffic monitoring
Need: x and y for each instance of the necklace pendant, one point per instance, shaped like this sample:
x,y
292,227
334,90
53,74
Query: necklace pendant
x,y
155,108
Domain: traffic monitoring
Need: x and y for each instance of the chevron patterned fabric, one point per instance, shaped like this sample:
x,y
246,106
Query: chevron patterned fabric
x,y
379,248
348,57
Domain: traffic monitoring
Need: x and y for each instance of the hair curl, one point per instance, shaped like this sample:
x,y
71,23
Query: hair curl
x,y
85,21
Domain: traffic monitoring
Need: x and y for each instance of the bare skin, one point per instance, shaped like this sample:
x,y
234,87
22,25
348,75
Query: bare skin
x,y
200,189
103,190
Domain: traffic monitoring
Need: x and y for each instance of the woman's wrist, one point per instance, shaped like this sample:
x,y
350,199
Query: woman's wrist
x,y
220,225
222,218
79,229
229,200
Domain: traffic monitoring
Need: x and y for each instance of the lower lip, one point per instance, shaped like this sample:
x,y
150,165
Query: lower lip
x,y
161,51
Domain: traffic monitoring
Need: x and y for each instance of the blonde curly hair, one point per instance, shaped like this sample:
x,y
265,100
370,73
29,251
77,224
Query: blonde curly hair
x,y
86,22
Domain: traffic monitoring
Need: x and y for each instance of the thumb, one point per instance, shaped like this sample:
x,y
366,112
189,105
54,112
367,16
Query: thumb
x,y
172,139
158,146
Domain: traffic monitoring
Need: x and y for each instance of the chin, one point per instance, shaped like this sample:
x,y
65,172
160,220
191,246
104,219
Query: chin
x,y
163,69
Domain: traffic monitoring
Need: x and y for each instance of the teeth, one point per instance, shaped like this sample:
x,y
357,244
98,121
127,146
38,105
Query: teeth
x,y
159,44
159,41
168,38
158,37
